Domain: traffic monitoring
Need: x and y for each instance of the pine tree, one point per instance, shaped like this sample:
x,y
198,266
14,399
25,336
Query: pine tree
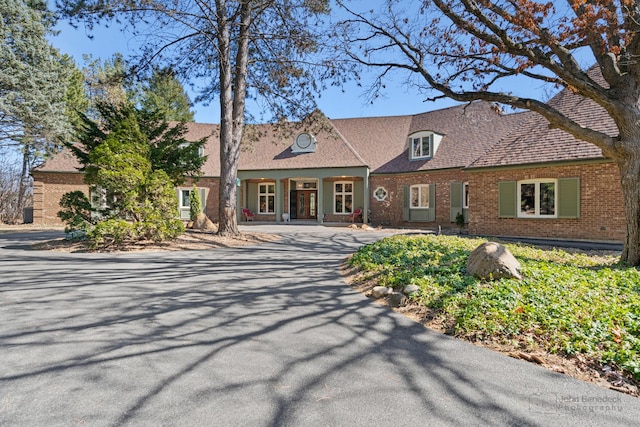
x,y
132,161
165,95
33,76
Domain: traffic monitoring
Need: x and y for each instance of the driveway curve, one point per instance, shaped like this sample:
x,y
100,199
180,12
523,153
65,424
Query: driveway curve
x,y
266,335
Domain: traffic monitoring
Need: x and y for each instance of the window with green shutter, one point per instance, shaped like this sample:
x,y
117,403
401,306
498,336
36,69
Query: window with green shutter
x,y
539,198
419,202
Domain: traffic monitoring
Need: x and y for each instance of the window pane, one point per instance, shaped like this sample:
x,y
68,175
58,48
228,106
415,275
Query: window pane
x,y
424,196
338,188
547,198
271,189
272,204
312,204
186,202
425,146
465,189
348,188
262,189
348,206
415,197
338,203
416,149
263,204
527,199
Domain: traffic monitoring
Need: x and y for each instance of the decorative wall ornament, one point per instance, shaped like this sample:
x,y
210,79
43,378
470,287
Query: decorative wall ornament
x,y
380,194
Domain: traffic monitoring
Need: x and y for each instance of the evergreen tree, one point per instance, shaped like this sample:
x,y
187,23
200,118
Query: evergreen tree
x,y
195,205
165,95
132,161
33,77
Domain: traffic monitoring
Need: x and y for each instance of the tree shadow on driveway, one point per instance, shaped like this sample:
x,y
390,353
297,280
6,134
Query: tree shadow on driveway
x,y
264,335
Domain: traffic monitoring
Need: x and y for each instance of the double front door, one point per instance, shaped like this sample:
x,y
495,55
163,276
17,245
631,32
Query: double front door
x,y
304,204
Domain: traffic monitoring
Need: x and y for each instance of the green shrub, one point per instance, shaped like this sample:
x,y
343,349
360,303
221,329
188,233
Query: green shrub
x,y
160,230
112,233
76,212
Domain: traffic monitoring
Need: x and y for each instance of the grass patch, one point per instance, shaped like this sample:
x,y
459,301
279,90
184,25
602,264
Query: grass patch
x,y
568,303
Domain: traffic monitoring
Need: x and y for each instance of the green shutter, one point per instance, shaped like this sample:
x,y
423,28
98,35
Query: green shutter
x,y
507,203
455,197
432,202
569,198
406,200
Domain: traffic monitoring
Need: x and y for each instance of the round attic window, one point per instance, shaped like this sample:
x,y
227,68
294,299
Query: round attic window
x,y
304,140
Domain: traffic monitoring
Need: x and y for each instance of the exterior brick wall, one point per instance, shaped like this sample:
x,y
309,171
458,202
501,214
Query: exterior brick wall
x,y
48,189
602,214
389,211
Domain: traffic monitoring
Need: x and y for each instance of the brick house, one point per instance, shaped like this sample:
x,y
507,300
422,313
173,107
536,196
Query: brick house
x,y
407,171
542,182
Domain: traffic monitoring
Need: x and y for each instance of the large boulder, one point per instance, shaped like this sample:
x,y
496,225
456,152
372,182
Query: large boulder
x,y
492,261
380,291
202,222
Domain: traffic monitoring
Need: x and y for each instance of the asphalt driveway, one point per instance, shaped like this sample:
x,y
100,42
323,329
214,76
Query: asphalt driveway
x,y
255,336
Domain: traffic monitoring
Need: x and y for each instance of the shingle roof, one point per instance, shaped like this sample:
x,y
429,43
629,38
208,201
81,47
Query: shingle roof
x,y
534,142
63,161
381,143
469,131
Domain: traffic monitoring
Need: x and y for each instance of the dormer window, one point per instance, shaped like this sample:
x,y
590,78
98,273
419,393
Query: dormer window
x,y
304,143
423,145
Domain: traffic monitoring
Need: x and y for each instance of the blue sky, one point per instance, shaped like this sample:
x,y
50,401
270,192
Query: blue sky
x,y
398,99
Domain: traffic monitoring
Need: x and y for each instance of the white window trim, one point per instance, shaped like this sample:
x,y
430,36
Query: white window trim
x,y
537,182
421,141
384,195
189,190
434,140
465,192
181,198
421,195
267,194
343,193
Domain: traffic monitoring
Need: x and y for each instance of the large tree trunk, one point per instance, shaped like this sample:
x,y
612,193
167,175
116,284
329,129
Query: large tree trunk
x,y
232,104
227,196
629,166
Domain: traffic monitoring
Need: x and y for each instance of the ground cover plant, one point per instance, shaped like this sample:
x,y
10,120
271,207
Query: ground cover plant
x,y
569,303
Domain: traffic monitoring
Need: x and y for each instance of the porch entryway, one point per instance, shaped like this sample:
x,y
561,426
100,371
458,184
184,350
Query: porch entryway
x,y
304,204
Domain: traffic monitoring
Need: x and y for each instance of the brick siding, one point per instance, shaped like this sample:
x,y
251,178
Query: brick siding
x,y
49,187
389,211
602,214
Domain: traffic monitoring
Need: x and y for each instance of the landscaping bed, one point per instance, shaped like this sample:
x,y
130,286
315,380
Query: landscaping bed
x,y
575,312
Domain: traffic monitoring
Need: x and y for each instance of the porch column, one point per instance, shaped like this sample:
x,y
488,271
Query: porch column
x,y
367,198
279,200
241,194
320,202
